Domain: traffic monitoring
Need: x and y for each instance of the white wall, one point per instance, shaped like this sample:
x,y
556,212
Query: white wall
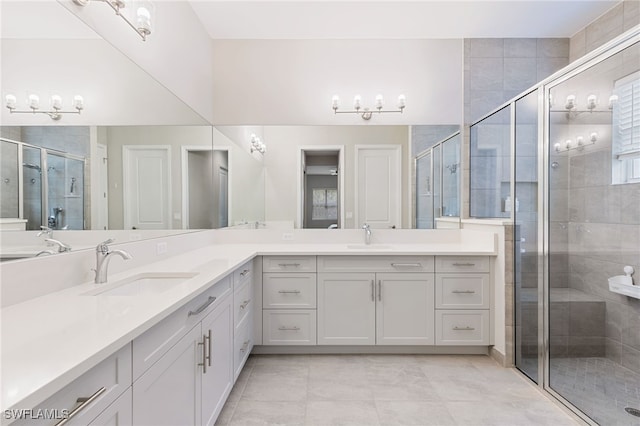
x,y
178,52
281,82
281,163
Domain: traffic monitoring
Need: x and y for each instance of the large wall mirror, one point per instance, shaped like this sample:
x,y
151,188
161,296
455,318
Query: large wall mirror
x,y
343,176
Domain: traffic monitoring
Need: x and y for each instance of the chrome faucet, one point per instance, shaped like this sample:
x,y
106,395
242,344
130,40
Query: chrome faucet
x,y
103,256
367,233
62,247
45,230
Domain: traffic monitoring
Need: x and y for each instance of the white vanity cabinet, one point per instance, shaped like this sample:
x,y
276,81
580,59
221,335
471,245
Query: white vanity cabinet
x,y
360,303
244,305
463,300
289,300
96,392
188,381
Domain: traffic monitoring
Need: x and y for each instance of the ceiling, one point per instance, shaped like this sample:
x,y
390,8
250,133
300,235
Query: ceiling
x,y
374,19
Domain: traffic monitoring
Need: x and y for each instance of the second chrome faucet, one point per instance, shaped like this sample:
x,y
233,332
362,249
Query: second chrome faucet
x,y
367,233
103,256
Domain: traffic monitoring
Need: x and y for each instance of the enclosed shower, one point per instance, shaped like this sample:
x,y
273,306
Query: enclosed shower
x,y
562,162
43,186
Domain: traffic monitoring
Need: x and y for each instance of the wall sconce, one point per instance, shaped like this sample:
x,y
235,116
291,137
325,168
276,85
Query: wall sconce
x,y
257,144
366,113
143,15
578,144
33,102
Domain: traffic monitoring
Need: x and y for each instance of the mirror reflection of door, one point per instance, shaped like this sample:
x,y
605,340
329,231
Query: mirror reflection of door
x,y
321,183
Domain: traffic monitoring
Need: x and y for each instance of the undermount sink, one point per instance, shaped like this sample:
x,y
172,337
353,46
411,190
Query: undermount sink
x,y
369,246
144,284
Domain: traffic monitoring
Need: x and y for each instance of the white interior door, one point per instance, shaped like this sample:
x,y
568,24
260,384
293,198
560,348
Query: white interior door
x,y
223,198
378,188
147,187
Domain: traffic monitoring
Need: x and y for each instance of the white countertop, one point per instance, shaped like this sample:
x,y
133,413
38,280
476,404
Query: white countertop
x,y
49,341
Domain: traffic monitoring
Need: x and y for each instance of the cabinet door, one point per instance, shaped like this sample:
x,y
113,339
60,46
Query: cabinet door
x,y
117,414
346,309
405,309
168,393
218,378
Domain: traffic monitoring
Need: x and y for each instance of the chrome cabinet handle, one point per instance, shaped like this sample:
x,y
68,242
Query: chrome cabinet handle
x,y
208,337
285,265
373,292
245,345
380,290
294,328
204,354
406,265
206,304
244,272
463,291
464,264
463,328
289,291
244,304
84,402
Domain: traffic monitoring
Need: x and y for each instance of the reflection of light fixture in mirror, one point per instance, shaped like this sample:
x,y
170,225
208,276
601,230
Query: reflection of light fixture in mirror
x,y
366,113
571,102
613,99
257,144
143,18
592,101
33,102
579,144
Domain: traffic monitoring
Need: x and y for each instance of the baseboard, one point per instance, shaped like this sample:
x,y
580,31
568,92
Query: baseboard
x,y
499,357
373,350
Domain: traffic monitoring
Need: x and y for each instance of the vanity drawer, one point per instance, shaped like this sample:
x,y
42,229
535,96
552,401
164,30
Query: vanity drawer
x,y
462,291
289,264
242,345
288,290
243,303
375,263
149,347
289,327
113,375
243,275
462,264
462,327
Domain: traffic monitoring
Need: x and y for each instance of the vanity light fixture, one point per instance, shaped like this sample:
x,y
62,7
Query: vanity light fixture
x,y
143,15
257,144
579,143
613,99
366,113
592,102
570,102
33,102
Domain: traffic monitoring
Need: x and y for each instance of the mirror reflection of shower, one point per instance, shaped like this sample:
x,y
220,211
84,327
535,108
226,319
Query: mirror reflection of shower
x,y
43,186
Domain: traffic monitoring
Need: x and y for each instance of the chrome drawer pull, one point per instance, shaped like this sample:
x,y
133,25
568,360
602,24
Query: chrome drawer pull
x,y
245,346
245,272
289,291
464,264
245,303
463,328
373,291
294,328
380,290
208,337
285,265
206,304
463,291
406,265
83,401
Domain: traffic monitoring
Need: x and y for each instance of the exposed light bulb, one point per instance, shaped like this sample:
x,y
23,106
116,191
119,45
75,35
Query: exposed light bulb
x,y
56,102
78,102
580,140
571,102
357,102
593,137
34,101
11,101
379,102
592,101
402,102
335,102
567,144
612,100
143,20
557,147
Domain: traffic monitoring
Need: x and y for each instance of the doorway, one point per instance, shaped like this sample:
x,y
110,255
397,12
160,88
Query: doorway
x,y
321,188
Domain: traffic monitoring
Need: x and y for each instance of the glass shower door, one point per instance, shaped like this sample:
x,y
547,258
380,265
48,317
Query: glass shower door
x,y
424,192
65,192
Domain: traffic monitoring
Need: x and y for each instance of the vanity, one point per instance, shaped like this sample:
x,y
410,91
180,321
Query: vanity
x,y
137,351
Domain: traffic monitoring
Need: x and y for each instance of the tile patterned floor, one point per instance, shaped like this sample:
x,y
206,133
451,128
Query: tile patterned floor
x,y
599,387
389,390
